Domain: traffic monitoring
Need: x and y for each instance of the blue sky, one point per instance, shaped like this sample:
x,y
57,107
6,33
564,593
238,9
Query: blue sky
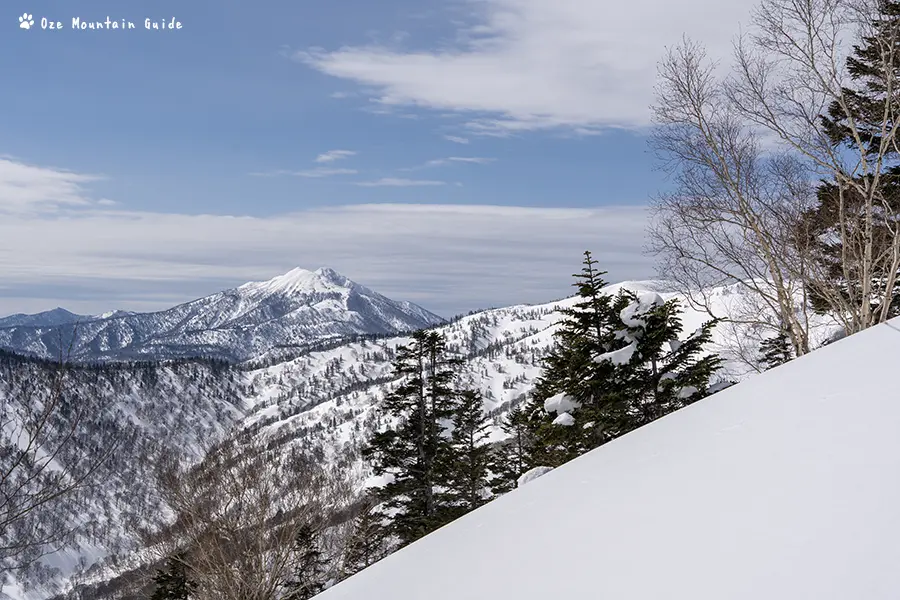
x,y
237,116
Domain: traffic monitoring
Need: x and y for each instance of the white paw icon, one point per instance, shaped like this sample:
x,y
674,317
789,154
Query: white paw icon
x,y
25,21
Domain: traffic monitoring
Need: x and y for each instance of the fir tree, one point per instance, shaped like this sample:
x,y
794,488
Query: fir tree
x,y
663,373
367,543
512,457
618,364
874,68
309,573
775,351
570,371
470,455
172,582
413,451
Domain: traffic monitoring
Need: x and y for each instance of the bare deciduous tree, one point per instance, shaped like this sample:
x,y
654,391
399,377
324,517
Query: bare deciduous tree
x,y
238,513
732,216
793,72
42,470
748,152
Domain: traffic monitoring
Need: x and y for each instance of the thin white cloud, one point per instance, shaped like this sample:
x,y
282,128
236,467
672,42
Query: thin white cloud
x,y
456,139
440,162
400,182
450,259
30,188
318,172
333,155
523,65
478,160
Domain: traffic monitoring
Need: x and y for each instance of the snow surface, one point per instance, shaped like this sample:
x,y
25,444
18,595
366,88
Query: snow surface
x,y
326,397
784,486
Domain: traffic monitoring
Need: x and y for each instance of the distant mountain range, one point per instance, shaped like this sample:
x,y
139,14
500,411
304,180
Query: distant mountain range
x,y
292,310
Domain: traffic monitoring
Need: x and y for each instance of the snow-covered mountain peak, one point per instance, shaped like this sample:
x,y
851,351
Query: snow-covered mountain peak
x,y
288,311
301,281
330,274
114,313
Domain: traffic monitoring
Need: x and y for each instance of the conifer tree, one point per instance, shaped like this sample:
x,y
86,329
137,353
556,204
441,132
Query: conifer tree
x,y
470,455
367,544
512,457
775,351
618,364
658,372
413,450
863,120
309,573
172,582
874,67
571,374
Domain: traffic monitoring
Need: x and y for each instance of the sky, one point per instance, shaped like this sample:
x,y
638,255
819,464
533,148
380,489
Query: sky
x,y
460,154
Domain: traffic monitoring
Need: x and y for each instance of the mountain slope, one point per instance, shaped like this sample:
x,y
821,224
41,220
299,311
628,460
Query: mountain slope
x,y
330,395
780,487
135,412
325,398
293,309
48,318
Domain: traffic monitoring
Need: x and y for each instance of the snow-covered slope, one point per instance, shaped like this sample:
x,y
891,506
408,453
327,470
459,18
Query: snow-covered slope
x,y
331,395
781,487
325,399
49,318
134,411
291,310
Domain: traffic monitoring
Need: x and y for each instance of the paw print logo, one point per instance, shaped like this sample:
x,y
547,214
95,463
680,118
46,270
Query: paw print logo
x,y
25,21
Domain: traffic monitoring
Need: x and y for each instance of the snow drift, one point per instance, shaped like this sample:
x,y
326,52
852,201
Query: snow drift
x,y
782,487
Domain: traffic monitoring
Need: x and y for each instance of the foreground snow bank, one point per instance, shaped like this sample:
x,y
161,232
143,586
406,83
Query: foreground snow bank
x,y
781,487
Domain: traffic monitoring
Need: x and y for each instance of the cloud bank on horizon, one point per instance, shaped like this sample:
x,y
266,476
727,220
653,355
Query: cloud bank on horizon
x,y
61,247
500,69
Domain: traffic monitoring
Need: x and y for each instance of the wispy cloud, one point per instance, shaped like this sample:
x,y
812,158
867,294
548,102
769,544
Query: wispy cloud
x,y
440,162
30,188
313,173
456,139
400,182
333,155
478,160
448,258
523,65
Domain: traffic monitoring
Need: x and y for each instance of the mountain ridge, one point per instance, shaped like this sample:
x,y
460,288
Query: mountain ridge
x,y
235,324
324,400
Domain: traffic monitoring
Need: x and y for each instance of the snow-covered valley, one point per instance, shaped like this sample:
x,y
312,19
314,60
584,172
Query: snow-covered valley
x,y
323,399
